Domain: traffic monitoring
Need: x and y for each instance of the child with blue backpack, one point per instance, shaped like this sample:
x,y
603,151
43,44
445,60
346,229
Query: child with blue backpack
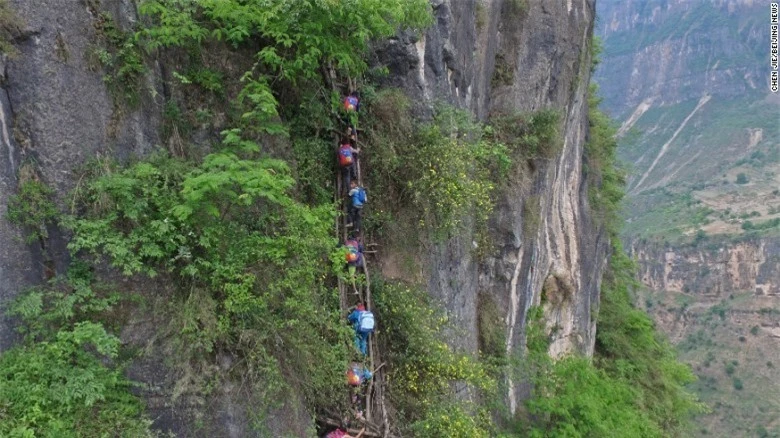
x,y
363,322
358,198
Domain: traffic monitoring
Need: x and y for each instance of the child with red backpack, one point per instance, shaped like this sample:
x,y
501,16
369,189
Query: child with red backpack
x,y
354,255
351,106
347,155
357,378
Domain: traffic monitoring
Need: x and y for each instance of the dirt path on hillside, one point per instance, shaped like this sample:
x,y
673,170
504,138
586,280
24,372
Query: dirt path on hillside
x,y
702,101
640,109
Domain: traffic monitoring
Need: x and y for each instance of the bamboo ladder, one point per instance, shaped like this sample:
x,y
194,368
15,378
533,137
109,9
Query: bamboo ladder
x,y
375,396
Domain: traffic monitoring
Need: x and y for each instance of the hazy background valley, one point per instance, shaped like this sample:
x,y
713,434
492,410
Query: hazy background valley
x,y
700,131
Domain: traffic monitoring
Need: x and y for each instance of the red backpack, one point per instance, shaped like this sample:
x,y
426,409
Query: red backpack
x,y
352,251
338,433
350,103
345,155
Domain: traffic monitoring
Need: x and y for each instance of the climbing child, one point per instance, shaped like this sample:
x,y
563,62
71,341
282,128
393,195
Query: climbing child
x,y
354,255
351,108
358,199
347,155
363,322
357,376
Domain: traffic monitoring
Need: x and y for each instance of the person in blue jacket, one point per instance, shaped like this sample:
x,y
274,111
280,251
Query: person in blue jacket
x,y
363,322
357,198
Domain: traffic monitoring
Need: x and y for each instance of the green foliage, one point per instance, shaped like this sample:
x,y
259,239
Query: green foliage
x,y
295,38
741,178
63,380
634,384
299,36
451,421
253,267
517,8
311,125
445,176
121,58
699,237
737,383
697,339
207,79
480,15
766,225
62,388
606,178
503,73
445,170
63,302
630,350
575,399
10,27
33,208
531,136
423,368
251,264
492,328
596,48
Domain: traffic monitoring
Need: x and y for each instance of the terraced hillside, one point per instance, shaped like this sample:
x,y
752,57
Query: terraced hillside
x,y
700,132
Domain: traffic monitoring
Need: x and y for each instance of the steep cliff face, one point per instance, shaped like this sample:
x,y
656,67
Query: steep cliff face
x,y
667,52
56,114
719,304
499,56
485,56
712,271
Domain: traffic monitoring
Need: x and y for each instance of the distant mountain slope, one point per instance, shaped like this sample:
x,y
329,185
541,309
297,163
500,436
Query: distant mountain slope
x,y
688,81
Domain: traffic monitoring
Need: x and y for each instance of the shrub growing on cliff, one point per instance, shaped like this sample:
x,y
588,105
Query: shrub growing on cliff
x,y
423,369
64,379
33,208
121,58
629,349
228,232
10,27
298,41
634,383
443,171
573,398
528,135
606,178
61,387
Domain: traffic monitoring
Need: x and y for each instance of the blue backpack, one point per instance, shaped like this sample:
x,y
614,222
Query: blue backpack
x,y
359,198
366,322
